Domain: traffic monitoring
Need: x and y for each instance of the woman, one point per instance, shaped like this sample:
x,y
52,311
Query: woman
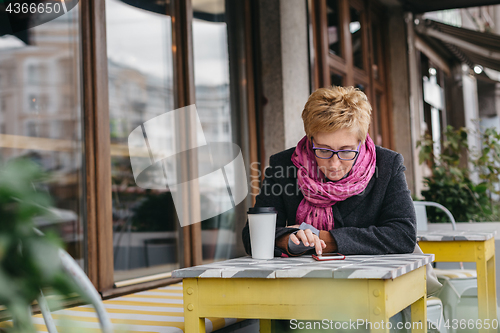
x,y
336,191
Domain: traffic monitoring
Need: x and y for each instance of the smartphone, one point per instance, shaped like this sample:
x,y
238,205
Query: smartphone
x,y
329,256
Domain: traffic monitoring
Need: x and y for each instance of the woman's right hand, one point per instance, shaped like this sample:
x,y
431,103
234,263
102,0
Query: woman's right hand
x,y
308,239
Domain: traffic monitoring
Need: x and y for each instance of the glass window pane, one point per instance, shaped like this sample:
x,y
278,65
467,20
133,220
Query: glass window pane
x,y
361,87
333,21
41,117
217,62
378,104
356,36
145,228
337,79
375,52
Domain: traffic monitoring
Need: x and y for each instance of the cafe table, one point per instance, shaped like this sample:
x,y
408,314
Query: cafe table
x,y
363,290
468,246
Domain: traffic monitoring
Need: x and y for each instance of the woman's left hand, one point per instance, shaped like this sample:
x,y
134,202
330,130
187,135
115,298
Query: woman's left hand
x,y
308,239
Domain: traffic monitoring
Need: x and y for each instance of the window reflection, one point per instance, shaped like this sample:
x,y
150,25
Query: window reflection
x,y
360,87
41,117
378,117
337,79
333,21
356,36
212,66
139,45
376,49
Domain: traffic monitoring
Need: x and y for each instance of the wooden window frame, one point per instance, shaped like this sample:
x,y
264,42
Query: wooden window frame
x,y
98,199
323,63
99,231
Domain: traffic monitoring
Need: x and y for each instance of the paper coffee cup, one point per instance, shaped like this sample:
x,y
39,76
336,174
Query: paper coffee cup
x,y
262,224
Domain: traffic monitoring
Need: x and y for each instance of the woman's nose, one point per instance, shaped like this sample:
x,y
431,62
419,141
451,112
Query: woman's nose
x,y
335,161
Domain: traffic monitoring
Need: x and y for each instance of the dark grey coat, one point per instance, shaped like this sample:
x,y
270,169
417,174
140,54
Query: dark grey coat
x,y
380,220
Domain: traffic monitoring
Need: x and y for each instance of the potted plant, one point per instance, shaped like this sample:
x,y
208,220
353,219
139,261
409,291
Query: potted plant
x,y
451,183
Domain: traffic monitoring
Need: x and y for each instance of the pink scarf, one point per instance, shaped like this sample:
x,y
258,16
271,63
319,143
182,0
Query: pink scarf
x,y
319,195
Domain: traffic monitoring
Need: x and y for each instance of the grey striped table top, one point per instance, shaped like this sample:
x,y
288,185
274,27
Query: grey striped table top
x,y
455,235
352,267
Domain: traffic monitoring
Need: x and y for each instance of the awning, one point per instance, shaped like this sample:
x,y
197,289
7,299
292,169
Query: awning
x,y
469,46
207,10
422,6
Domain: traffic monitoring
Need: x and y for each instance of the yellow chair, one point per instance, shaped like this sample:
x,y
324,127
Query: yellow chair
x,y
459,291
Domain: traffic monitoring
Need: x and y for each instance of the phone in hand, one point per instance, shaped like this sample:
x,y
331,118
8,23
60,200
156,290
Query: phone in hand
x,y
329,256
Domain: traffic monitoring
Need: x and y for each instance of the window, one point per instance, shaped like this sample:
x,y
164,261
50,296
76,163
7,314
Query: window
x,y
354,55
33,75
355,28
333,19
377,51
116,229
336,79
146,80
212,82
25,97
31,129
146,235
33,103
44,102
434,101
37,72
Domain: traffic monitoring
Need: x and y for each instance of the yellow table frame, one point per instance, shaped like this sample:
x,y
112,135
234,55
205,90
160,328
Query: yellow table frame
x,y
483,254
305,299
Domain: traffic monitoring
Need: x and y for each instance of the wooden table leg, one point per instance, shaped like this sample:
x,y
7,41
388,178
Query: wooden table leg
x,y
419,315
265,326
492,292
486,289
378,320
482,288
192,321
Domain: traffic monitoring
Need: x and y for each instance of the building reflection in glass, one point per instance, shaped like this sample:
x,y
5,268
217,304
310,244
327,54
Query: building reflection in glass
x,y
139,45
213,102
41,117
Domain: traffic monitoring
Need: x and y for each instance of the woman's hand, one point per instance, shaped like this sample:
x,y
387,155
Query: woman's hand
x,y
308,239
293,226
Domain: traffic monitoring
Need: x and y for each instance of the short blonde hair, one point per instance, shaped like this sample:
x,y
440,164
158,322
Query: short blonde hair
x,y
335,108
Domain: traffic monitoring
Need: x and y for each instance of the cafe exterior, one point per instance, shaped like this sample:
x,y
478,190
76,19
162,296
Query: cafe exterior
x,y
72,90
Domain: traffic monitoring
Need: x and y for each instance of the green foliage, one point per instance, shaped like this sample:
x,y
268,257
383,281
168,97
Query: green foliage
x,y
28,261
450,183
488,162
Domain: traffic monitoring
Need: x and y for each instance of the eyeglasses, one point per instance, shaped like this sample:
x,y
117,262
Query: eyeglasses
x,y
345,155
